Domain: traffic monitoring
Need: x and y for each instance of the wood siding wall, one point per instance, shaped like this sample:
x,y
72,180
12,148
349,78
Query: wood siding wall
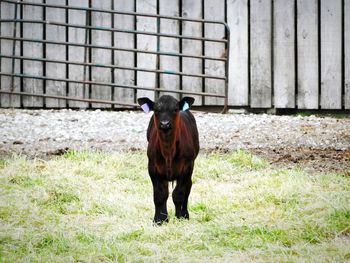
x,y
283,53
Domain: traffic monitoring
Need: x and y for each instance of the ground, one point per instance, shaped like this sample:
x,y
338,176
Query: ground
x,y
97,207
74,188
310,142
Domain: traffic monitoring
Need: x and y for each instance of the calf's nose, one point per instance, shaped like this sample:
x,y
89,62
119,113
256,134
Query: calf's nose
x,y
165,125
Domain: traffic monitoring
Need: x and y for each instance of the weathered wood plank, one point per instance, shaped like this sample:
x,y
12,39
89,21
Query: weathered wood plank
x,y
260,53
169,8
347,53
192,9
123,58
331,56
307,46
214,10
145,42
284,54
237,19
6,48
101,56
260,46
75,72
56,52
36,68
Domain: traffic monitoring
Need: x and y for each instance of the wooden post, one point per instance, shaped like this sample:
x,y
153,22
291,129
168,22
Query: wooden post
x,y
77,35
331,55
214,10
237,19
347,53
192,9
260,53
146,42
124,58
169,8
7,11
32,49
101,56
307,46
55,70
284,54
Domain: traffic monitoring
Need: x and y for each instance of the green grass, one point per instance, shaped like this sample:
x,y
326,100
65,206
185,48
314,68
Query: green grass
x,y
93,207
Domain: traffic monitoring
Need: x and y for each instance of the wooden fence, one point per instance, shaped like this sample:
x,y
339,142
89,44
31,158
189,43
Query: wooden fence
x,y
283,53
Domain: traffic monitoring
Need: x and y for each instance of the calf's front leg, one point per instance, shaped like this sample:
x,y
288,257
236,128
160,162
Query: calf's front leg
x,y
160,197
180,196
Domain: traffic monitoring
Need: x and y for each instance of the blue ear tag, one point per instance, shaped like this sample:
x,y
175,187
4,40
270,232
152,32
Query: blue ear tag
x,y
185,106
145,108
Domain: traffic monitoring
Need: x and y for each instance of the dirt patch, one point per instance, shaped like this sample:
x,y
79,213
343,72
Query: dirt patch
x,y
320,160
314,143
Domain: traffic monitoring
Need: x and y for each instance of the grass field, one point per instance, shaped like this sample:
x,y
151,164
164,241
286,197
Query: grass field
x,y
92,207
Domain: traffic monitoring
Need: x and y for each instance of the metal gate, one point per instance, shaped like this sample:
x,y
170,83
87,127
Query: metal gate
x,y
17,55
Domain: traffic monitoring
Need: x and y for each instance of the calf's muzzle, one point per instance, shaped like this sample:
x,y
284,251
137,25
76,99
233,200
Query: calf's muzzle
x,y
165,125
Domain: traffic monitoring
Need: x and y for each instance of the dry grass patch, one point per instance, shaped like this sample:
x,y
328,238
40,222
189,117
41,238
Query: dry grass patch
x,y
94,207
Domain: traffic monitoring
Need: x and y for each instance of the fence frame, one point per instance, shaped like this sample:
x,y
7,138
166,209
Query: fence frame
x,y
89,28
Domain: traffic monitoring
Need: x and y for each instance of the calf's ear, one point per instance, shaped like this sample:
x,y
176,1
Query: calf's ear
x,y
146,104
186,103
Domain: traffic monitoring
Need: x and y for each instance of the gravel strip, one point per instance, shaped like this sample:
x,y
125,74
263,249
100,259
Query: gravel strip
x,y
40,133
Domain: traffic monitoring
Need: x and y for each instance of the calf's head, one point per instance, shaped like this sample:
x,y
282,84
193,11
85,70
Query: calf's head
x,y
166,110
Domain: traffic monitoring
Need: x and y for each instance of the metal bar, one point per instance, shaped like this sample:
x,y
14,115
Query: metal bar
x,y
44,46
180,30
87,22
119,12
227,72
114,85
21,88
68,98
89,54
113,30
114,48
14,50
135,54
66,48
115,67
203,50
157,75
113,78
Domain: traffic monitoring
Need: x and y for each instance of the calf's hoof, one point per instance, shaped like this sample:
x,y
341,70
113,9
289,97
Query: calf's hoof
x,y
159,220
183,216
